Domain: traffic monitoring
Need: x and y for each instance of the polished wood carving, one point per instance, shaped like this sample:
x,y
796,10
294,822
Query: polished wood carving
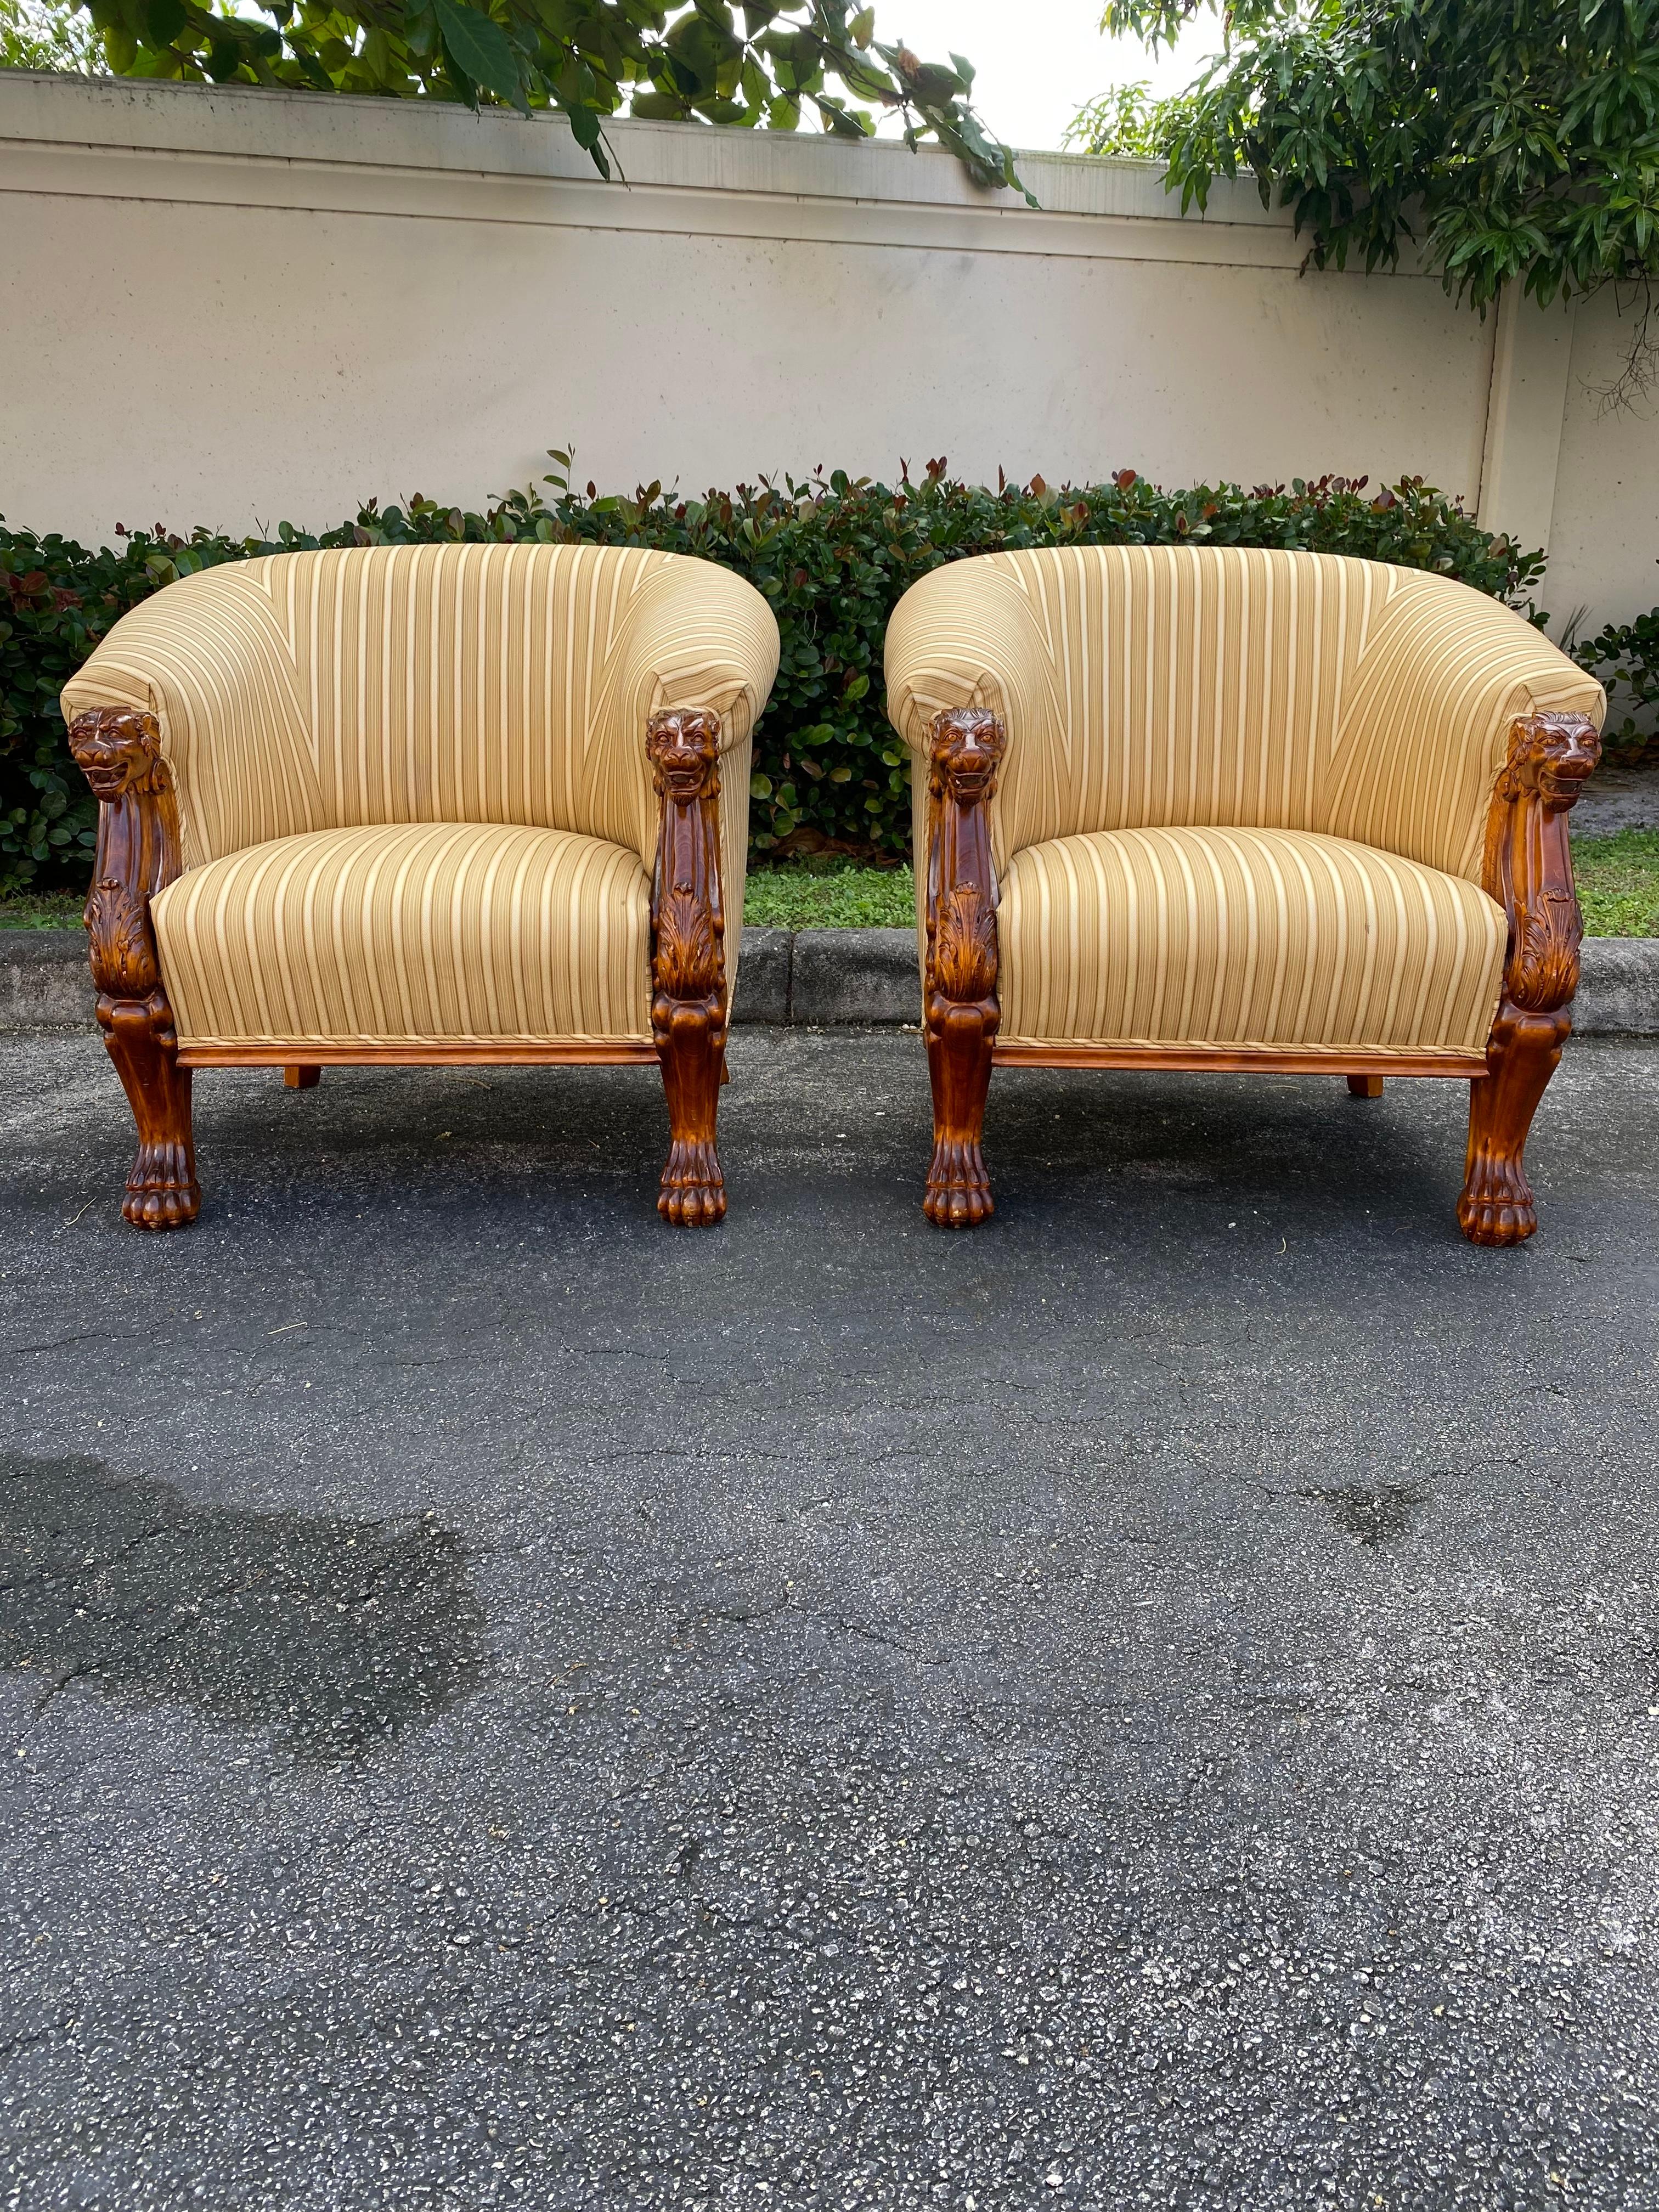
x,y
1528,870
688,958
960,1008
118,751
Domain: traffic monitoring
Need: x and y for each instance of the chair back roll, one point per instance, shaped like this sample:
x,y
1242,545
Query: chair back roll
x,y
427,683
1151,687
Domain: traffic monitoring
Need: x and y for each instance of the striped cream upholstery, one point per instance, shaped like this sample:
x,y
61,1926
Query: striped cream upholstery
x,y
465,931
1361,711
1236,937
1154,686
321,696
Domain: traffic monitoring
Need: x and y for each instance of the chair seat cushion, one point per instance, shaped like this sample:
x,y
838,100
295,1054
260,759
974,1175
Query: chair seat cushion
x,y
404,934
1242,938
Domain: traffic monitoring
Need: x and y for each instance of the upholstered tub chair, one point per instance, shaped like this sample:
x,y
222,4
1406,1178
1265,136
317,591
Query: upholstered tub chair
x,y
423,805
1188,807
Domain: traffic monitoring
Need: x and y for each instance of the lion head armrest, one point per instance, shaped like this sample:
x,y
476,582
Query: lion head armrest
x,y
206,662
1446,677
1527,866
963,643
118,751
696,640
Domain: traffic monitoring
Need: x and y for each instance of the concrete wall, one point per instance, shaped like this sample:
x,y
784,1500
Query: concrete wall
x,y
1606,539
238,307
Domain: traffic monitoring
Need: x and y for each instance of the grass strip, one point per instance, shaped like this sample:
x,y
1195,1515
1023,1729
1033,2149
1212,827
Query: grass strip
x,y
1617,880
1618,888
846,897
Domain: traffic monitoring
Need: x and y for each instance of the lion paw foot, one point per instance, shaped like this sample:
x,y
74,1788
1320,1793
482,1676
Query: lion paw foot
x,y
693,1193
958,1188
162,1192
1497,1206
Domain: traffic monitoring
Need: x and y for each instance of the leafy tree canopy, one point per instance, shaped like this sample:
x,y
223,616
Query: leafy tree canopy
x,y
1516,140
764,63
48,34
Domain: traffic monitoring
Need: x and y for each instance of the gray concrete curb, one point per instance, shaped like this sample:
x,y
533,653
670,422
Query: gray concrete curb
x,y
45,982
821,978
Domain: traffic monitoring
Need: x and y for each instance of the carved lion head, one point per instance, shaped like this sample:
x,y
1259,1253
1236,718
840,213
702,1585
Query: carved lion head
x,y
118,750
969,742
681,745
1554,754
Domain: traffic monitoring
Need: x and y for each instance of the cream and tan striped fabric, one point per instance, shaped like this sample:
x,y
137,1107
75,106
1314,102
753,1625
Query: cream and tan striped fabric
x,y
313,696
1242,938
463,930
1146,687
1363,708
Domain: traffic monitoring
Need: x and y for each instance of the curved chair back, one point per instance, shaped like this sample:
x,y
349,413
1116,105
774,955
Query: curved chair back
x,y
465,684
1148,687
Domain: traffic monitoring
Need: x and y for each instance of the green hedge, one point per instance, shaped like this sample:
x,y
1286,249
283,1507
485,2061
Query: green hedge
x,y
1625,656
832,555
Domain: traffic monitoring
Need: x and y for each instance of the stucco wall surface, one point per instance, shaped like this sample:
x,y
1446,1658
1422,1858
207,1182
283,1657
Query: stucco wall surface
x,y
238,307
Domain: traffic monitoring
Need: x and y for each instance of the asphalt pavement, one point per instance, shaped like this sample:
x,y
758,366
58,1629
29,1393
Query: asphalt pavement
x,y
1155,1703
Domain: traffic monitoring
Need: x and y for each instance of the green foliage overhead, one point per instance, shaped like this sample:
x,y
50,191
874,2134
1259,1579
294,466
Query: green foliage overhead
x,y
833,556
1127,120
49,34
1516,140
764,63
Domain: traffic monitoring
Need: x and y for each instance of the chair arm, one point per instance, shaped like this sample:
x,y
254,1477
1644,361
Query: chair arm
x,y
1445,677
203,662
1528,864
965,637
694,637
119,753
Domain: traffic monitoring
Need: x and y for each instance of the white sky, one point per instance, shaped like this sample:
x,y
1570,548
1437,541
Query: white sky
x,y
1038,61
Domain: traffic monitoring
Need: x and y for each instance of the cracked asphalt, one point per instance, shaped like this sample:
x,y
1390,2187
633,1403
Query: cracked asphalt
x,y
1155,1703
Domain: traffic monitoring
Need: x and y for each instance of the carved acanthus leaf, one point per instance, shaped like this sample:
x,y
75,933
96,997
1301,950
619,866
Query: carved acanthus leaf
x,y
963,959
688,962
1543,970
123,946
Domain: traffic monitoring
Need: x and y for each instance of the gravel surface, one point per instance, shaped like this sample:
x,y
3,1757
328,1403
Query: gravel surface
x,y
1152,1704
1618,799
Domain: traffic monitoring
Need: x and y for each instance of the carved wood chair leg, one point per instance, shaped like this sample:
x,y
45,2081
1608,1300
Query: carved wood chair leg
x,y
1364,1086
961,1009
1527,869
301,1078
688,959
1496,1205
688,1045
161,1190
118,751
959,1038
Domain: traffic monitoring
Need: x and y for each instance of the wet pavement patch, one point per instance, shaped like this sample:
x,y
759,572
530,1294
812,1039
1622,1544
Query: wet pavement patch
x,y
1374,1517
340,1633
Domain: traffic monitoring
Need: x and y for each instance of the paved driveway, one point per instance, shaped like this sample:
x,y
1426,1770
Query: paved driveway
x,y
1154,1704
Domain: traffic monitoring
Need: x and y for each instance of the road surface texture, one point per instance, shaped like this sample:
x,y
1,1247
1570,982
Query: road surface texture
x,y
1156,1703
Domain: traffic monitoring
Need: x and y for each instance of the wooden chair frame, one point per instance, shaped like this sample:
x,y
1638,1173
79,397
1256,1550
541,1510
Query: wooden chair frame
x,y
118,751
1526,868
